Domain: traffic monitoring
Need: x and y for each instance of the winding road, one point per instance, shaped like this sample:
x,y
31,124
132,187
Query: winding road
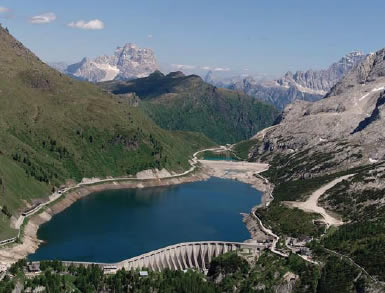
x,y
311,204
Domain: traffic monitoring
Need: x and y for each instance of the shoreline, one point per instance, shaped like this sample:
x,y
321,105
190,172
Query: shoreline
x,y
31,243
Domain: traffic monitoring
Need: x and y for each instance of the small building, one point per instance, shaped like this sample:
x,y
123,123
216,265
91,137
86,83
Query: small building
x,y
143,273
34,267
109,269
305,251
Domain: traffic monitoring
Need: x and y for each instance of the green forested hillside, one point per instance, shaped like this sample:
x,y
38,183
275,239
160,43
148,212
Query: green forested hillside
x,y
53,128
179,102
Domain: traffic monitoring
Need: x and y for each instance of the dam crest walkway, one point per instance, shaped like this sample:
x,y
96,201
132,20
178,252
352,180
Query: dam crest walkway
x,y
181,256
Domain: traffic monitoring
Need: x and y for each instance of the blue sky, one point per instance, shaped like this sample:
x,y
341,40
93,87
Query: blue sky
x,y
259,35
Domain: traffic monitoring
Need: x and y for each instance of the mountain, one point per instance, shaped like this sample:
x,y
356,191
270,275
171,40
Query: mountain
x,y
217,79
54,128
315,143
59,66
179,102
127,62
273,93
311,85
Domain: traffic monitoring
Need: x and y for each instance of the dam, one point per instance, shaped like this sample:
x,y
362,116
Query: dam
x,y
181,256
188,255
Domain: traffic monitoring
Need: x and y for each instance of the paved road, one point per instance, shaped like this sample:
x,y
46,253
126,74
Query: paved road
x,y
273,247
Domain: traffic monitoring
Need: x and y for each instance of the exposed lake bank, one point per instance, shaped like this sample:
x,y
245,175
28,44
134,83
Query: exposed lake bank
x,y
241,171
113,225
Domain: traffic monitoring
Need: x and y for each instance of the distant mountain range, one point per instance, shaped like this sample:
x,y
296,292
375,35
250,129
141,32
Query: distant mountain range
x,y
127,62
130,62
179,102
310,85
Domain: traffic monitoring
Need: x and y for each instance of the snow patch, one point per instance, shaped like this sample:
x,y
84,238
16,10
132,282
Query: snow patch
x,y
111,71
364,96
378,89
372,91
373,160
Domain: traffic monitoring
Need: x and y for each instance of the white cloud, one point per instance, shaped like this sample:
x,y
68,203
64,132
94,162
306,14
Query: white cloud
x,y
43,18
221,69
94,24
149,36
183,66
206,68
4,9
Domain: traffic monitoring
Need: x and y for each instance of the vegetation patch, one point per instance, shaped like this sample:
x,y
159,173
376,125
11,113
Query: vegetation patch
x,y
242,149
178,102
292,222
363,242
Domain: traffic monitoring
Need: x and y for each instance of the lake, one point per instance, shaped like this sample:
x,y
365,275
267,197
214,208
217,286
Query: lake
x,y
114,225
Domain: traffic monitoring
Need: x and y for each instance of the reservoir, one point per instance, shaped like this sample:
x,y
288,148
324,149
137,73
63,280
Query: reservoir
x,y
114,225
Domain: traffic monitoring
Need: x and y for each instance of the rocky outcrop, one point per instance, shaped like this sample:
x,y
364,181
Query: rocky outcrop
x,y
353,112
321,81
310,85
128,62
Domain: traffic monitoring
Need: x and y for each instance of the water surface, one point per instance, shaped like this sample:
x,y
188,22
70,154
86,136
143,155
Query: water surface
x,y
113,225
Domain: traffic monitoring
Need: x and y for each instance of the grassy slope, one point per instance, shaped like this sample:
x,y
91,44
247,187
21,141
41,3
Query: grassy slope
x,y
181,102
242,148
54,128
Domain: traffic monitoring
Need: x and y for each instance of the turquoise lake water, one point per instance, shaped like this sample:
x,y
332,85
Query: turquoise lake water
x,y
113,225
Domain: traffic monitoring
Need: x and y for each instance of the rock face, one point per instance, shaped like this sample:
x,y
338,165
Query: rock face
x,y
128,62
311,85
353,111
321,81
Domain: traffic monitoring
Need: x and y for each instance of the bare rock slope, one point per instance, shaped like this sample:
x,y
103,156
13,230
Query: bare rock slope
x,y
127,62
352,111
310,85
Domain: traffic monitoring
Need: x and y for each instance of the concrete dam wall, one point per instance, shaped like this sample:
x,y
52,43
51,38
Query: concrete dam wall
x,y
182,256
187,255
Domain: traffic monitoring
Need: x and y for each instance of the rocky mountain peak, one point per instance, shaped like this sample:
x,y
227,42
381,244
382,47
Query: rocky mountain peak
x,y
310,85
321,81
354,111
127,62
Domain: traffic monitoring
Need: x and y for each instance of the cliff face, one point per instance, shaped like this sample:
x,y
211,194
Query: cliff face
x,y
127,62
310,85
321,81
353,110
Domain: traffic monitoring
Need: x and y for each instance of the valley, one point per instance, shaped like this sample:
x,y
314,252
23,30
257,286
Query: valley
x,y
187,103
119,176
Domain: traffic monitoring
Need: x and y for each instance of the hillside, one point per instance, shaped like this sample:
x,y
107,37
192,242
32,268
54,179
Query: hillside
x,y
315,143
54,128
179,102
